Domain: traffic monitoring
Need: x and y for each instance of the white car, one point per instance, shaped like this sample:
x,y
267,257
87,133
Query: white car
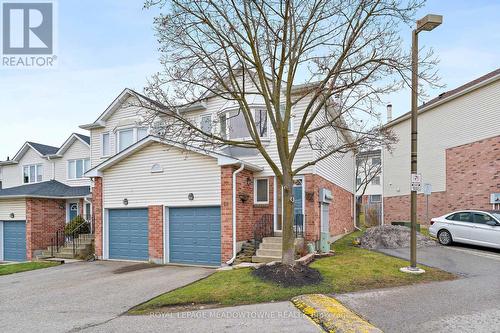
x,y
476,227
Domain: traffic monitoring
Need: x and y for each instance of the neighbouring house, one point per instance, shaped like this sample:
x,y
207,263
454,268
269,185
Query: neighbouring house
x,y
42,188
369,185
458,153
156,201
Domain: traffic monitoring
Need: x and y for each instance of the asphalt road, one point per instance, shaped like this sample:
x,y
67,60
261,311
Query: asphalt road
x,y
468,304
76,296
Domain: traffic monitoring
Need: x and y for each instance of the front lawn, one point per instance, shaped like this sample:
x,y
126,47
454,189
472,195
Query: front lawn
x,y
351,269
25,266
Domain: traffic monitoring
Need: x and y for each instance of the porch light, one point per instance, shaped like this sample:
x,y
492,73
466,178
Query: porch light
x,y
11,215
190,196
125,201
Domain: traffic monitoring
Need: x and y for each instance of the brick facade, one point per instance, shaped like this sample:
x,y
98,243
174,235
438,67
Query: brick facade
x,y
155,227
43,218
472,174
341,218
97,213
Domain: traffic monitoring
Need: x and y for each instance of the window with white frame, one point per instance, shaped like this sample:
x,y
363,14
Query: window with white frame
x,y
375,198
206,123
32,173
105,144
261,191
128,136
77,168
234,126
376,180
375,160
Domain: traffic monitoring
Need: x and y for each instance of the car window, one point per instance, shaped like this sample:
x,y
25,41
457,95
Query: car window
x,y
482,218
463,217
451,217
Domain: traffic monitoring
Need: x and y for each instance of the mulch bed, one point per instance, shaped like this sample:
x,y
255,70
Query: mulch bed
x,y
288,276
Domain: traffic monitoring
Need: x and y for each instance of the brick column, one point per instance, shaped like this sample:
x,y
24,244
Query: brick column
x,y
155,226
226,212
97,210
43,218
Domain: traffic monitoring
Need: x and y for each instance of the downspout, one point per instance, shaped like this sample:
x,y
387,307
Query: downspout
x,y
242,166
355,201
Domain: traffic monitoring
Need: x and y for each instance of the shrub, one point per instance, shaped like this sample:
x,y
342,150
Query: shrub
x,y
75,223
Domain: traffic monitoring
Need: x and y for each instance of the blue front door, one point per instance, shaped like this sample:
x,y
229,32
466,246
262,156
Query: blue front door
x,y
195,235
14,241
128,234
73,211
298,208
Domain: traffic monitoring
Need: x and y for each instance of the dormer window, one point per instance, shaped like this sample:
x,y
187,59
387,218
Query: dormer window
x,y
32,173
128,136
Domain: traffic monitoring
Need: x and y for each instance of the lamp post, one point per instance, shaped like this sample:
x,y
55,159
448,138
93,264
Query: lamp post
x,y
427,23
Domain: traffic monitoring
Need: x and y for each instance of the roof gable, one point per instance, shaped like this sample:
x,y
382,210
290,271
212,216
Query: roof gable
x,y
69,142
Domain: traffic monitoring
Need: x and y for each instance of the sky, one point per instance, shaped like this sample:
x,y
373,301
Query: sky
x,y
105,46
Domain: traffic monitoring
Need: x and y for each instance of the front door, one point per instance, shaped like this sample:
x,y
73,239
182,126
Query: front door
x,y
298,206
73,211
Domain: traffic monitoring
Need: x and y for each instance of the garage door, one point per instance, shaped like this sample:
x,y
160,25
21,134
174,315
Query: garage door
x,y
128,234
14,241
195,235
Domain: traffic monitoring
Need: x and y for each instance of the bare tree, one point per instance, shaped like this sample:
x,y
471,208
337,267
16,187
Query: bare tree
x,y
366,172
333,58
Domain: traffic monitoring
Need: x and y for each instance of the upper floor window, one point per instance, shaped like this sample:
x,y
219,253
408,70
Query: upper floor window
x,y
32,173
77,168
290,122
376,180
206,123
106,151
234,125
376,160
129,136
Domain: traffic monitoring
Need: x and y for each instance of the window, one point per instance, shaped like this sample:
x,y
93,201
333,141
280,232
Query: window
x,y
105,144
206,124
376,180
223,125
77,168
358,181
376,198
482,218
129,136
32,173
376,161
234,126
290,123
261,191
462,217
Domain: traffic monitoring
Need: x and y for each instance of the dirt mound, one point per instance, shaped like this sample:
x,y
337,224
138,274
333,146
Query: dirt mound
x,y
288,276
391,237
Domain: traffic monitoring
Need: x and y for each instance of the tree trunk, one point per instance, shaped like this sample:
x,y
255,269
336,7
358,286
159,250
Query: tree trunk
x,y
288,256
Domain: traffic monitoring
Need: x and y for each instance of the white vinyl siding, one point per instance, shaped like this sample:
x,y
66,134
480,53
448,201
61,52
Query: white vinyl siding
x,y
76,151
183,173
13,174
465,119
16,206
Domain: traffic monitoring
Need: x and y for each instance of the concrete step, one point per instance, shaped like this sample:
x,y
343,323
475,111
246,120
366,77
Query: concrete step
x,y
258,259
269,253
272,240
271,246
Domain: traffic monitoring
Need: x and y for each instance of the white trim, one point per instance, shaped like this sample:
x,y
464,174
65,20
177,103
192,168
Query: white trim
x,y
255,201
1,240
275,203
166,234
135,137
37,165
69,141
102,144
84,171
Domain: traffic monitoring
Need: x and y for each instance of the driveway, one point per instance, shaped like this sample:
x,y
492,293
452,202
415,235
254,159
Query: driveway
x,y
468,304
82,295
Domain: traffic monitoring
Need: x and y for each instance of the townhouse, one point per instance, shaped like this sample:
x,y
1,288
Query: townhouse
x,y
42,188
458,153
154,200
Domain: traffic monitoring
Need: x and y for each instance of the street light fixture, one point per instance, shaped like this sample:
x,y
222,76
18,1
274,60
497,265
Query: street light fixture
x,y
427,23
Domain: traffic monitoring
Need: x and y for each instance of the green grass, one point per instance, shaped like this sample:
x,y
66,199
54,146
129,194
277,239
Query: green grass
x,y
25,266
425,231
351,269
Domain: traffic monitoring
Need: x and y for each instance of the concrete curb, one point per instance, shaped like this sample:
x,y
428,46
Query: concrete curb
x,y
331,315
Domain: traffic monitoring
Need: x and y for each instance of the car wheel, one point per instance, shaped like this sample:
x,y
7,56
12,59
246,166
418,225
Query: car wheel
x,y
444,237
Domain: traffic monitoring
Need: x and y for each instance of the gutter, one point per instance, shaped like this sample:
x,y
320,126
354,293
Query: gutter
x,y
242,166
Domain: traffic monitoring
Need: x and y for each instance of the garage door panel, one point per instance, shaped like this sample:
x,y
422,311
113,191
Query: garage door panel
x,y
128,234
194,235
14,241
